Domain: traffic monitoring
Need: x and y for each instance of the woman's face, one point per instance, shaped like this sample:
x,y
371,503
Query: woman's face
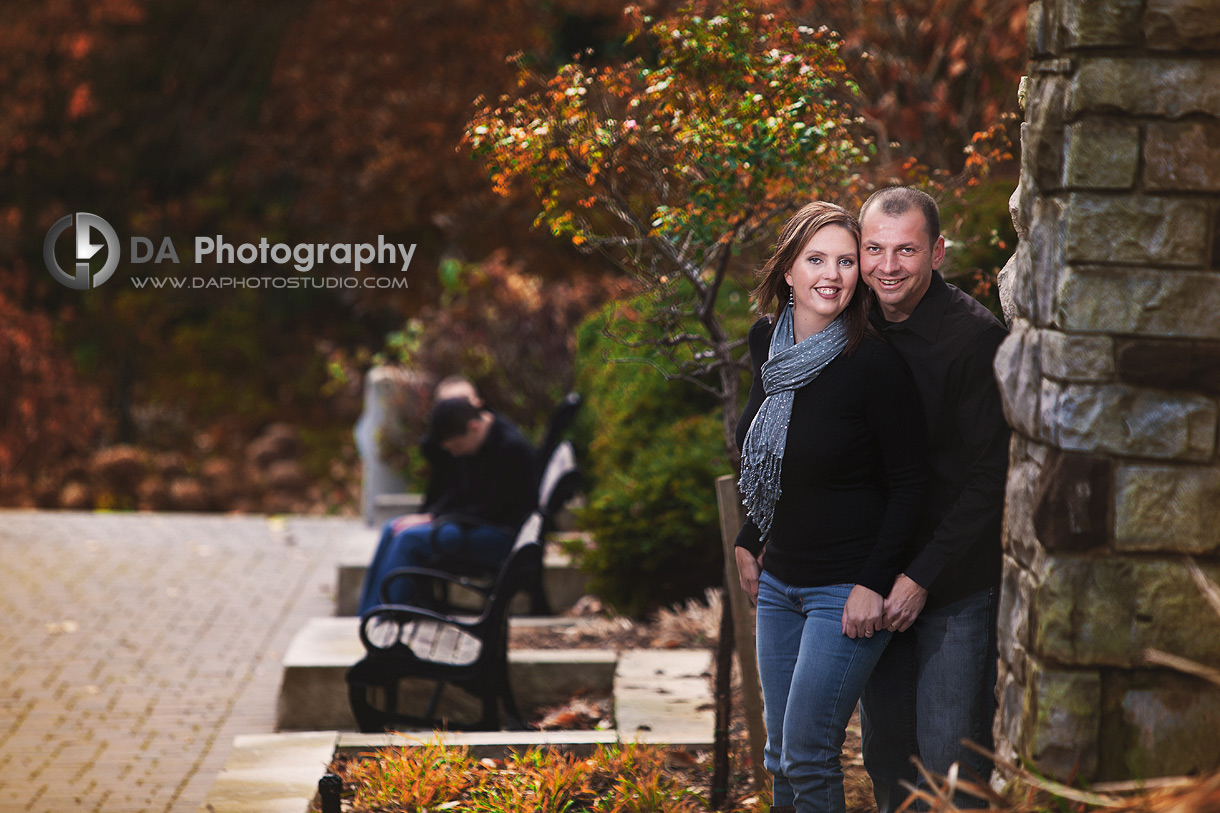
x,y
824,277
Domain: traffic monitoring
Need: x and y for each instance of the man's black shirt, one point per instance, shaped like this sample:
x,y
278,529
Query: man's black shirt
x,y
949,342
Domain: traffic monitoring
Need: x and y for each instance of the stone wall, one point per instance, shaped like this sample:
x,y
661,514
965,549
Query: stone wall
x,y
1111,377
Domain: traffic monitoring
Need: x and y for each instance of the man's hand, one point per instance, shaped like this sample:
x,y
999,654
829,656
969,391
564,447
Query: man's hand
x,y
862,613
748,570
409,520
903,604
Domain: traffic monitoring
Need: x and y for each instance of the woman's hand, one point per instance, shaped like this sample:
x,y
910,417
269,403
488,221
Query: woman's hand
x,y
863,612
748,571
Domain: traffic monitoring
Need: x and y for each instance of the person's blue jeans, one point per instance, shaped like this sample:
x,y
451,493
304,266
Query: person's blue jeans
x,y
812,675
934,687
413,547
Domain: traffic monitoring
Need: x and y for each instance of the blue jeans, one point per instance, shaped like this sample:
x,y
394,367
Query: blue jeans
x,y
812,675
413,547
934,687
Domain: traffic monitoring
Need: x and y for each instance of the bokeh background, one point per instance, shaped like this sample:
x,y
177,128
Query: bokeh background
x,y
336,121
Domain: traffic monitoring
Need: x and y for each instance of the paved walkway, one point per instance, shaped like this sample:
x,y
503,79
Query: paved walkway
x,y
135,647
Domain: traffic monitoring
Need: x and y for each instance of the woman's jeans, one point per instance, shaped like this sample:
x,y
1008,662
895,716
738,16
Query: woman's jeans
x,y
812,675
413,547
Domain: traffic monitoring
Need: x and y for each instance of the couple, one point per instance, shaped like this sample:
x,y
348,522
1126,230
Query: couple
x,y
874,454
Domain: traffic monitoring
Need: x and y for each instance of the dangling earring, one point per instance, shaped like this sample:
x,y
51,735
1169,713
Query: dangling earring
x,y
791,299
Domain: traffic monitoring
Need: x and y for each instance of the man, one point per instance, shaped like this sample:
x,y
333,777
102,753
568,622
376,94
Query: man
x,y
445,472
495,486
935,684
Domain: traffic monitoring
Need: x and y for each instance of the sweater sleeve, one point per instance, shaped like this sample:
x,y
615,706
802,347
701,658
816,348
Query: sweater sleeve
x,y
980,417
895,415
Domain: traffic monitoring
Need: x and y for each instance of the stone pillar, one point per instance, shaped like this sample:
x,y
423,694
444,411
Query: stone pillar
x,y
384,390
1110,379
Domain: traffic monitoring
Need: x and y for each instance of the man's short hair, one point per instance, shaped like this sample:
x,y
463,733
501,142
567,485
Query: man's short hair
x,y
896,201
451,418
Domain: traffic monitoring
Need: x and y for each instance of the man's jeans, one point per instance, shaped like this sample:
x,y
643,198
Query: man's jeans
x,y
934,686
412,547
812,675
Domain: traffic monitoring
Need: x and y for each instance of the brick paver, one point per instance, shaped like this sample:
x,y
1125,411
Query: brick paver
x,y
135,647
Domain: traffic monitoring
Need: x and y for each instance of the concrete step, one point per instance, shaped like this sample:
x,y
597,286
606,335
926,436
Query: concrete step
x,y
660,697
564,583
664,696
313,691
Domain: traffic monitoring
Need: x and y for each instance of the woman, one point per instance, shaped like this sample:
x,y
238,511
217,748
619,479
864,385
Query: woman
x,y
832,480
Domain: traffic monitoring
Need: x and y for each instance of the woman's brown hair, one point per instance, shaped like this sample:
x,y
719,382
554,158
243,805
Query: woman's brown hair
x,y
773,291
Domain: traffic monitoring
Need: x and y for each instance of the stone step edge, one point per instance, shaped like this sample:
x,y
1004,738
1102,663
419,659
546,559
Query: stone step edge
x,y
279,773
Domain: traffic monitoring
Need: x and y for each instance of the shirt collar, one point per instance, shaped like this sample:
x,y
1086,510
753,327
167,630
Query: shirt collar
x,y
925,320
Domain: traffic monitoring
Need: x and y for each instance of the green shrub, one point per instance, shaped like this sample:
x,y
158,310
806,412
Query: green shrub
x,y
654,450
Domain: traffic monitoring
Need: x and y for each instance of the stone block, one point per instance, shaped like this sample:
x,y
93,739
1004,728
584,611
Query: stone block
x,y
1170,364
1182,156
1106,612
1042,144
1167,508
1101,154
271,772
1140,302
1072,502
1016,597
1038,42
1016,284
1016,265
664,697
1159,724
1073,357
1018,374
1123,420
1010,707
1020,539
1091,23
1062,721
1182,25
1047,237
1172,87
1137,230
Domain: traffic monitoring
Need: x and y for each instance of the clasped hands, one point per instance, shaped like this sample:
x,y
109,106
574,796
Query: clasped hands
x,y
865,611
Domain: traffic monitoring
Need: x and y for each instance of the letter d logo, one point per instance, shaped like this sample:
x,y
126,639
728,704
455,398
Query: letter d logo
x,y
85,249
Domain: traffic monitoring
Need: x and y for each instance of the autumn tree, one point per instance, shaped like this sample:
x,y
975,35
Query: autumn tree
x,y
671,163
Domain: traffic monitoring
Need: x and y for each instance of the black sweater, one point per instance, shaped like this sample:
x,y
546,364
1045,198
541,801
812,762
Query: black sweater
x,y
949,343
853,475
497,483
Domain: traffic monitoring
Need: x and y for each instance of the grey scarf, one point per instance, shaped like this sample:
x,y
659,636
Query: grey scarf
x,y
788,367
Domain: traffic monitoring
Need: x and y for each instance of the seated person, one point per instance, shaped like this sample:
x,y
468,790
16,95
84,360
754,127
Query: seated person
x,y
493,482
444,470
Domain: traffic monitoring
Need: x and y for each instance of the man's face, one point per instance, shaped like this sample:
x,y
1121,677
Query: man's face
x,y
465,444
896,260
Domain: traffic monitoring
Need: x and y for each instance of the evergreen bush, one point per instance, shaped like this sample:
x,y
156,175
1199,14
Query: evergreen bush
x,y
654,450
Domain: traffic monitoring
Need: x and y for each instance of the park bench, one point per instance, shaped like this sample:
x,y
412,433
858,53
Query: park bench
x,y
470,653
443,644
